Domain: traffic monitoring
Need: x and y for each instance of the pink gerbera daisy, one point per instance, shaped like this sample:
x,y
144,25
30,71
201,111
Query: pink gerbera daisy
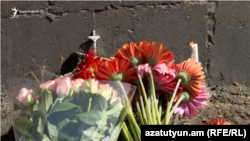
x,y
144,68
164,69
190,105
165,82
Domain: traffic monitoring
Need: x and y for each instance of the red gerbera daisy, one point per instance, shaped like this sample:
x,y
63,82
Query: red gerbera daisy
x,y
155,53
131,53
218,122
116,70
192,76
88,66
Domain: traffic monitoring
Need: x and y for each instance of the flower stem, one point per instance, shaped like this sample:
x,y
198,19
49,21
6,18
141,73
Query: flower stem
x,y
171,102
153,111
130,112
154,99
176,105
139,111
160,111
143,109
90,100
160,108
145,98
135,133
57,99
126,133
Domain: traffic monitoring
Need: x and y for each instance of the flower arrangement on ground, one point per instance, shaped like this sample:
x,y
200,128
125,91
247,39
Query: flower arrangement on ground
x,y
161,84
163,88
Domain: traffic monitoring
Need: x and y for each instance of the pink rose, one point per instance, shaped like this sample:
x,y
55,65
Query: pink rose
x,y
106,91
63,86
90,82
77,83
51,85
25,96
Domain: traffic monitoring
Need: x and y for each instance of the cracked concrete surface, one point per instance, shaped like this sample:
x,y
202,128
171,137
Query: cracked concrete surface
x,y
229,59
64,28
211,27
56,10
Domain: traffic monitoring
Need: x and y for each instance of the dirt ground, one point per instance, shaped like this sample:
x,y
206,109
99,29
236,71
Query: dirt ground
x,y
230,102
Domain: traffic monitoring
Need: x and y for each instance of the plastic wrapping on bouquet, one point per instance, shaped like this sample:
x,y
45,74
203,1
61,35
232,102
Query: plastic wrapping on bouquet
x,y
75,117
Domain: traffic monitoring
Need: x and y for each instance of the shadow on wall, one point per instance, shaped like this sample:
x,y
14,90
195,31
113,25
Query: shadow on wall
x,y
72,61
9,137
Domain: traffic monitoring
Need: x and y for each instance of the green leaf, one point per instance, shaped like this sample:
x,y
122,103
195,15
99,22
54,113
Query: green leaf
x,y
111,128
93,134
116,109
122,115
40,126
65,106
56,102
36,106
90,117
45,102
40,116
53,132
45,138
24,107
69,132
102,124
63,123
90,131
23,125
99,103
103,102
116,132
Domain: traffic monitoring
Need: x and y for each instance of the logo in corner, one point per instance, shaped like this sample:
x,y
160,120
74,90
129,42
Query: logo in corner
x,y
15,11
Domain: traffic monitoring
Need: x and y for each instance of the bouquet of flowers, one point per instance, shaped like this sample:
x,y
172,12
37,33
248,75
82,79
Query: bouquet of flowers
x,y
72,110
163,87
93,103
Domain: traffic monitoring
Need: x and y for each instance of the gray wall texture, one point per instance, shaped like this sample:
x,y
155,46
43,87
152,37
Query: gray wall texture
x,y
221,29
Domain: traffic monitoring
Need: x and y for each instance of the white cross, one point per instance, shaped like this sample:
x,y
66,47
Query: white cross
x,y
15,11
94,38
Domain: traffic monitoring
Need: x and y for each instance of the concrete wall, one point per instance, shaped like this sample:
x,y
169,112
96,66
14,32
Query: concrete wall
x,y
222,30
